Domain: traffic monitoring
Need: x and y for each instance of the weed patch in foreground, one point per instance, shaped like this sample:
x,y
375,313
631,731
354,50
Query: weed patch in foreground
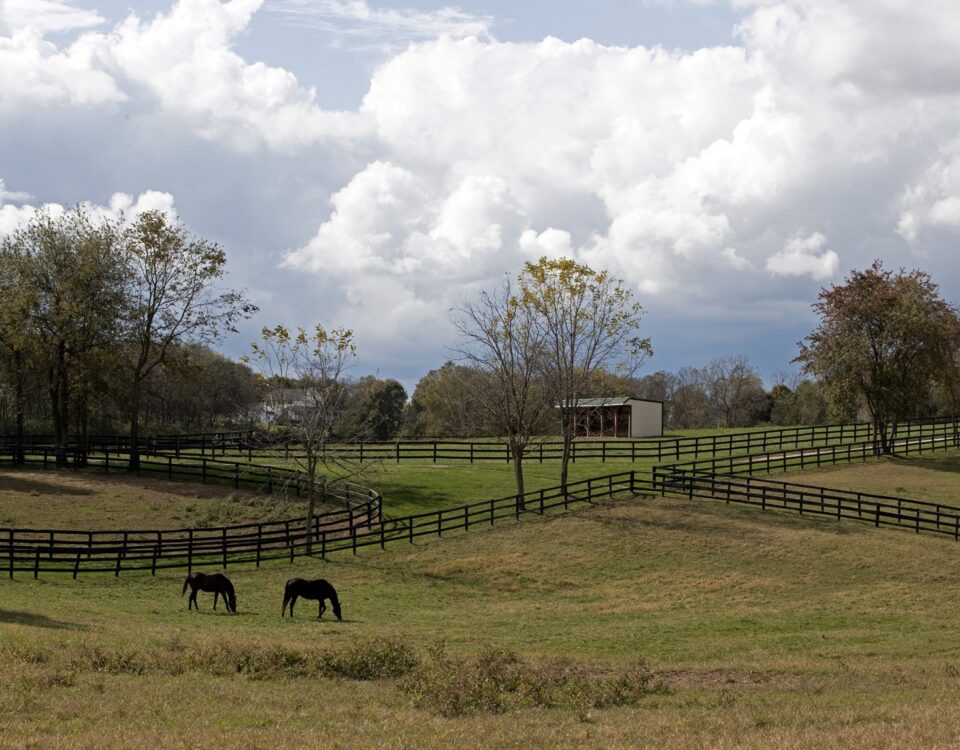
x,y
499,681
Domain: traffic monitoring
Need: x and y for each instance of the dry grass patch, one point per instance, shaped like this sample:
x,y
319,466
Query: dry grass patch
x,y
84,500
934,478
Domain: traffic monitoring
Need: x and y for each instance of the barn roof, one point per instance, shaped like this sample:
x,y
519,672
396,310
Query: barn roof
x,y
593,403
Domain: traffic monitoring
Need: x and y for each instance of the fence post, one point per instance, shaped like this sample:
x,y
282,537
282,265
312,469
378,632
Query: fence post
x,y
439,523
36,562
224,538
189,551
76,566
153,564
259,541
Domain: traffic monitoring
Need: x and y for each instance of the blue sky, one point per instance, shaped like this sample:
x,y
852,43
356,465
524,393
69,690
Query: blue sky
x,y
368,164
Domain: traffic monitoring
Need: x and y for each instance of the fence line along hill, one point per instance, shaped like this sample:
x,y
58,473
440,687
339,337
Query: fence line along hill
x,y
360,521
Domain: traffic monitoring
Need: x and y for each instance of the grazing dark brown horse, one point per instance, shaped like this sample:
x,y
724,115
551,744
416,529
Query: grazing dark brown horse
x,y
318,589
218,583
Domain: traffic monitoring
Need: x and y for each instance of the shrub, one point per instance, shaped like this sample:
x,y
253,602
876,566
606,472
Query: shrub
x,y
497,681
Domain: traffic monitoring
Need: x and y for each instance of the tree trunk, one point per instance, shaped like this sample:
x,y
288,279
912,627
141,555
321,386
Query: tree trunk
x,y
83,418
59,401
517,452
569,430
135,425
18,456
311,497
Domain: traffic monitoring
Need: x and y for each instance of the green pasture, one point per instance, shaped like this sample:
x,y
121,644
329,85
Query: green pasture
x,y
755,629
934,477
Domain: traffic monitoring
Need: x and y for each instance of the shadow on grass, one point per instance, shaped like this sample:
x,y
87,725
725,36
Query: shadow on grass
x,y
949,464
35,486
12,617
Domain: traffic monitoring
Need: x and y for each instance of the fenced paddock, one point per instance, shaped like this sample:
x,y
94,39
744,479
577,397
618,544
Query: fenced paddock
x,y
767,494
250,445
353,528
360,521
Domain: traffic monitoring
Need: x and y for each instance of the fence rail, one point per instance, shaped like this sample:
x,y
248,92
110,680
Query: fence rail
x,y
360,522
658,449
933,437
39,550
767,494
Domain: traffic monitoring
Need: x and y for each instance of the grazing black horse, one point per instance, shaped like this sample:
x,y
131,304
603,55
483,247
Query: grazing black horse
x,y
318,589
218,583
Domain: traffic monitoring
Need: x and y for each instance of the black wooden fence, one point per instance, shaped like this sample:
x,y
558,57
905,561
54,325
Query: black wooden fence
x,y
642,449
249,444
768,494
62,551
924,438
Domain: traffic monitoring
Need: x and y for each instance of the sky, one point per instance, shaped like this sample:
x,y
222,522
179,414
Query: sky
x,y
372,164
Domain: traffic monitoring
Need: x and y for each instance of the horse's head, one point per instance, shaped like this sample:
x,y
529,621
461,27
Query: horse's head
x,y
336,609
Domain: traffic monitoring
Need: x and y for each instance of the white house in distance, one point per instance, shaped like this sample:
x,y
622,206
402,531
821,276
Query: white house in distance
x,y
619,416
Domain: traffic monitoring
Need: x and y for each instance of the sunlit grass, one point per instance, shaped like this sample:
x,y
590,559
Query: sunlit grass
x,y
769,629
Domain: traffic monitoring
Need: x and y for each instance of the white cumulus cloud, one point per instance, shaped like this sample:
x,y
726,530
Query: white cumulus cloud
x,y
805,256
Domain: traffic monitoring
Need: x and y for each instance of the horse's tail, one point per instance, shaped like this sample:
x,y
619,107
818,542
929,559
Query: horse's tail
x,y
286,599
231,594
186,582
335,602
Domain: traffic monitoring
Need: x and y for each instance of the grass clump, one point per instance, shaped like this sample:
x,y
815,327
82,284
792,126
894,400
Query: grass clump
x,y
497,681
376,659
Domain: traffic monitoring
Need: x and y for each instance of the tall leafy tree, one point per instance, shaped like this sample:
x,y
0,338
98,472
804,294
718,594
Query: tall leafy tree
x,y
16,342
589,321
172,298
448,402
883,340
374,410
70,269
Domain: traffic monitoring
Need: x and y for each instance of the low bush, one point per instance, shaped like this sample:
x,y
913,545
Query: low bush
x,y
498,681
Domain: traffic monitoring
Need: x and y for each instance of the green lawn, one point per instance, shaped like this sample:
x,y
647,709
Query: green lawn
x,y
768,630
761,629
934,477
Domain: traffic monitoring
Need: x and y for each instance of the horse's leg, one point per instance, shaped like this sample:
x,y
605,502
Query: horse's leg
x,y
293,600
215,595
323,608
193,600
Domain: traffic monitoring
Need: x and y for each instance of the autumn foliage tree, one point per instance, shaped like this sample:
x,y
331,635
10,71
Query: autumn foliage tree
x,y
883,341
589,321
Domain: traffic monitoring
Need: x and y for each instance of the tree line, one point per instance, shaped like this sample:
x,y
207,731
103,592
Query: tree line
x,y
93,309
108,322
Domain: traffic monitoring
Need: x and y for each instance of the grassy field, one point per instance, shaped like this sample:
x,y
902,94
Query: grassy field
x,y
88,500
761,630
934,477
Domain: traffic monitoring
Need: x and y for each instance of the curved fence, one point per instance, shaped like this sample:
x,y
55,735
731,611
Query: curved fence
x,y
37,550
360,521
64,550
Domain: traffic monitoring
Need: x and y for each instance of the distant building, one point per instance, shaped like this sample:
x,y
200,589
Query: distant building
x,y
284,406
619,416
